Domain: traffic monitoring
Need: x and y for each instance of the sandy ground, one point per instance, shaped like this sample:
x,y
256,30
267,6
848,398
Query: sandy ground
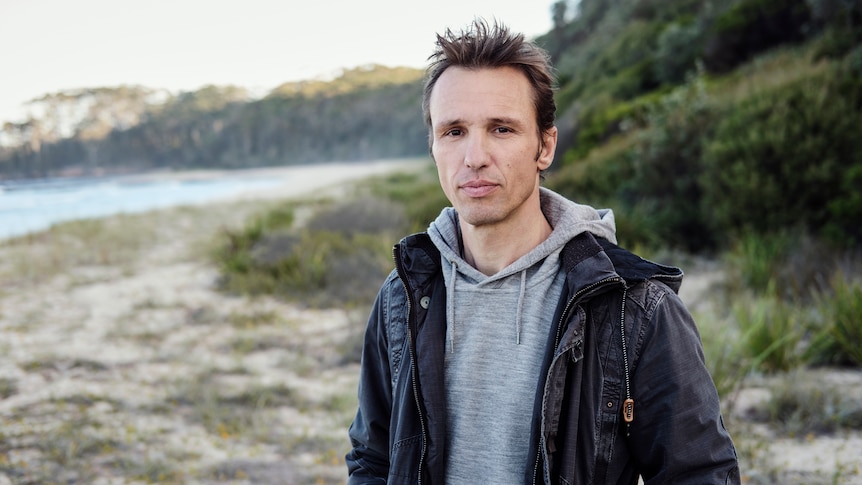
x,y
129,366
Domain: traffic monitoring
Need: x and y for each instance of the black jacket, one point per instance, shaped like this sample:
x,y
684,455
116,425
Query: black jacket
x,y
579,433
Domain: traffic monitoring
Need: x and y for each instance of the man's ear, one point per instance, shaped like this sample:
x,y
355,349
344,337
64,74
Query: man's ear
x,y
547,149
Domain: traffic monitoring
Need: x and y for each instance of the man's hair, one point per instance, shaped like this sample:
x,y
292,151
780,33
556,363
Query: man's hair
x,y
483,46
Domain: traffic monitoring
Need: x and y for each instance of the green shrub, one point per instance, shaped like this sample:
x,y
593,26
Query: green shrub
x,y
789,157
706,170
603,118
650,177
721,347
677,51
771,333
853,62
668,169
664,9
606,179
754,261
622,68
749,27
419,195
339,258
844,14
836,41
633,81
838,330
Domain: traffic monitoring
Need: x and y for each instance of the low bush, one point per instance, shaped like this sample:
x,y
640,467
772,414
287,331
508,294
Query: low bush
x,y
668,167
749,27
622,67
721,347
771,333
789,157
801,405
838,327
713,160
606,179
792,265
836,41
678,50
754,261
418,194
338,258
604,117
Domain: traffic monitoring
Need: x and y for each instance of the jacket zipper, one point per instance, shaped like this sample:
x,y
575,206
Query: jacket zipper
x,y
563,317
414,367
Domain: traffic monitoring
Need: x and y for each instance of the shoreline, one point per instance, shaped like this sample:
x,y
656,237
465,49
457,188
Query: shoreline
x,y
197,173
74,199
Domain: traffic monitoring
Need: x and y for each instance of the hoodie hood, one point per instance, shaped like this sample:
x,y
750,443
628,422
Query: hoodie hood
x,y
535,271
568,220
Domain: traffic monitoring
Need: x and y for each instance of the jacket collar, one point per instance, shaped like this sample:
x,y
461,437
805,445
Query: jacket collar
x,y
586,259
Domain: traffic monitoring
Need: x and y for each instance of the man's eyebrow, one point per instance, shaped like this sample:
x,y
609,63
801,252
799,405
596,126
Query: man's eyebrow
x,y
488,121
505,121
450,123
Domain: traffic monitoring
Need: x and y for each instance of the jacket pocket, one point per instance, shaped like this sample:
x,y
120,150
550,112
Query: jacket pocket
x,y
404,459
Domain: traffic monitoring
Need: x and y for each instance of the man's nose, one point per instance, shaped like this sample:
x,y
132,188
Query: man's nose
x,y
476,154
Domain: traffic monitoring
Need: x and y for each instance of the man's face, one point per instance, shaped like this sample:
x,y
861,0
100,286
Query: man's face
x,y
486,144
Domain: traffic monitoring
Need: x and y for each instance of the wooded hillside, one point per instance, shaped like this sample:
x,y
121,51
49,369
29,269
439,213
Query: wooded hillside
x,y
367,113
705,121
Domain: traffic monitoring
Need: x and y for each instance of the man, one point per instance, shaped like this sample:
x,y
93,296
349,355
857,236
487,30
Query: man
x,y
515,342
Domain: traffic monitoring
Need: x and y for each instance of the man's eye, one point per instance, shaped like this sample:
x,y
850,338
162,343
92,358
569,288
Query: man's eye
x,y
455,132
503,129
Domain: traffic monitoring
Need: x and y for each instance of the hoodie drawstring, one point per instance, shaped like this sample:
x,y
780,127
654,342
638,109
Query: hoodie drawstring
x,y
520,307
450,307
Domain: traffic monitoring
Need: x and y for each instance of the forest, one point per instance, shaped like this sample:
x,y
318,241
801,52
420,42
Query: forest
x,y
367,113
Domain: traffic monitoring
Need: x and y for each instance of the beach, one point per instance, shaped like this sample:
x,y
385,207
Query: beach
x,y
124,363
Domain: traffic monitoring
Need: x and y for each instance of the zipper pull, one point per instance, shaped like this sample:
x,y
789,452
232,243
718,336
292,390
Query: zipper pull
x,y
629,410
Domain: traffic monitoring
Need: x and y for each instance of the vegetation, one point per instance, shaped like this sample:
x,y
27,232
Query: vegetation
x,y
367,113
746,119
339,254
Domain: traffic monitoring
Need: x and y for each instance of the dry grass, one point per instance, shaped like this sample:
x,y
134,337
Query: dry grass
x,y
123,363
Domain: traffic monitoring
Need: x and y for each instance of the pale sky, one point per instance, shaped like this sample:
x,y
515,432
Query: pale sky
x,y
53,45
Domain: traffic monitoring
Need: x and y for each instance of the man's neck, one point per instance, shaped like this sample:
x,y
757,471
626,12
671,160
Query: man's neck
x,y
490,248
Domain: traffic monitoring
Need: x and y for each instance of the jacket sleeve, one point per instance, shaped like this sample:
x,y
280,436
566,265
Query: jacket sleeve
x,y
678,435
368,460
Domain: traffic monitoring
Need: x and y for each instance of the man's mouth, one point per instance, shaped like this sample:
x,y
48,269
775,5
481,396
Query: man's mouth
x,y
478,188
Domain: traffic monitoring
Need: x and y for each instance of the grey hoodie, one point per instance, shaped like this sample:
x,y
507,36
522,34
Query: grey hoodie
x,y
497,327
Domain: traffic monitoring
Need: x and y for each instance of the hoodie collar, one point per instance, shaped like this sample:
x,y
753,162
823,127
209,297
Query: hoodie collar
x,y
567,218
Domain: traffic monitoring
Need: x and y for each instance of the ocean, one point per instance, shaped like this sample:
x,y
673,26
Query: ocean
x,y
31,206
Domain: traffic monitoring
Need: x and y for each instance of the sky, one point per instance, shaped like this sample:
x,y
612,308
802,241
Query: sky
x,y
48,46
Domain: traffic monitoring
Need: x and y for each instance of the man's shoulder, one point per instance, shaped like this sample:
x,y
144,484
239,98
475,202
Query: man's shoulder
x,y
635,269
